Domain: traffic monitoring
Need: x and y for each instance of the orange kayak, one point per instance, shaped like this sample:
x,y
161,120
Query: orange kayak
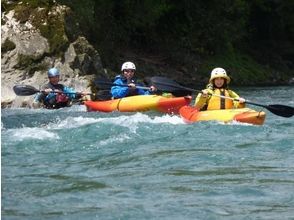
x,y
245,115
140,103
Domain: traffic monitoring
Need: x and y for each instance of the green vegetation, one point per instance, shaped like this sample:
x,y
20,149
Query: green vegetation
x,y
47,19
251,38
254,40
30,64
241,67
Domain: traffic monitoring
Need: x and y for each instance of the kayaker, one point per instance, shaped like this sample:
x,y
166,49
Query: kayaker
x,y
208,98
53,95
126,77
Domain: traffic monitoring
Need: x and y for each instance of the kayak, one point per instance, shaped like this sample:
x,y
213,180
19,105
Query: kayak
x,y
140,103
245,115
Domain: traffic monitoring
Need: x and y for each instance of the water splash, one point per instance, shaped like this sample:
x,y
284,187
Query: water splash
x,y
32,133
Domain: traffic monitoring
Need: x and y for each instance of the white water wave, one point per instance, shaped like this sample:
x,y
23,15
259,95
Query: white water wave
x,y
21,134
139,117
123,120
72,122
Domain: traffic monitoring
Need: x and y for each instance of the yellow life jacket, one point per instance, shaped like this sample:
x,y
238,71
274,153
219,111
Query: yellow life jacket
x,y
216,103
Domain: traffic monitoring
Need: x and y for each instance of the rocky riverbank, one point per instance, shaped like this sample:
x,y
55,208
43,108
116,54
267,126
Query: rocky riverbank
x,y
27,55
38,35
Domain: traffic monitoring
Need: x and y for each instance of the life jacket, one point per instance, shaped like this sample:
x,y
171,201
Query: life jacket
x,y
119,92
216,103
56,100
131,91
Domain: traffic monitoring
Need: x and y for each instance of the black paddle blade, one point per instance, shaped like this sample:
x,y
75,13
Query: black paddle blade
x,y
168,85
103,83
281,110
24,90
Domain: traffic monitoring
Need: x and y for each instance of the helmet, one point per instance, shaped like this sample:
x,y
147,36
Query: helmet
x,y
53,72
219,72
128,65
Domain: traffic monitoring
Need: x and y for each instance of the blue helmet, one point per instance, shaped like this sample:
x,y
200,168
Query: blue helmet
x,y
53,72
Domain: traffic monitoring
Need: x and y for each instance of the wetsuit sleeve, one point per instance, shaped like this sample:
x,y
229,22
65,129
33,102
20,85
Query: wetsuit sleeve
x,y
236,96
119,91
200,101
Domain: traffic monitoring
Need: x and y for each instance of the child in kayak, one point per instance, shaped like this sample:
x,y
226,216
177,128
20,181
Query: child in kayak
x,y
208,99
127,78
61,97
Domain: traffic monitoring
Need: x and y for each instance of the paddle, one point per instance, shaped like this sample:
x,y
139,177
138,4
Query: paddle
x,y
166,84
106,84
26,90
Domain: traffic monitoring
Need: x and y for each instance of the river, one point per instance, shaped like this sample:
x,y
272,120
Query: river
x,y
73,164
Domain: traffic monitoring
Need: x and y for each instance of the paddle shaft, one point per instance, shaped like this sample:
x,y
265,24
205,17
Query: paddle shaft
x,y
122,85
169,85
26,90
194,90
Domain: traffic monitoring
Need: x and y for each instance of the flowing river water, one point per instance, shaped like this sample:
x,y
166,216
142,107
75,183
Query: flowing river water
x,y
73,164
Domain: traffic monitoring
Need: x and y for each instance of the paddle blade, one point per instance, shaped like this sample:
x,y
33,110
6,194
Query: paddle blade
x,y
102,95
24,90
168,85
103,83
281,110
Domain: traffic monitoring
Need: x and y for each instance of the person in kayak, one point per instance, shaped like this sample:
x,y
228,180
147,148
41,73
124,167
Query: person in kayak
x,y
55,95
127,78
208,99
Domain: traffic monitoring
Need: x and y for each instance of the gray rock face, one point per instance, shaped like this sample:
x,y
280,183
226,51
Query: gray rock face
x,y
26,59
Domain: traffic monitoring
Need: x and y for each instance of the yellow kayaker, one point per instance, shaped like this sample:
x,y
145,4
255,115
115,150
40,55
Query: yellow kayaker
x,y
210,98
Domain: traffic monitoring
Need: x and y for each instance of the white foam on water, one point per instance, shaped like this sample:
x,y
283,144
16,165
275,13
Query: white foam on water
x,y
239,123
21,134
130,121
171,119
139,117
114,139
72,122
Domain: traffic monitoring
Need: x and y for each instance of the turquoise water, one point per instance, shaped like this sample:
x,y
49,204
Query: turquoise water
x,y
71,164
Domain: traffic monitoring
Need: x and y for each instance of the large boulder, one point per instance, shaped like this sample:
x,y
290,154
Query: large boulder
x,y
27,54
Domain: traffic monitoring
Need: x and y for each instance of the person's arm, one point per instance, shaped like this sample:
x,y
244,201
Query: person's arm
x,y
202,98
143,92
237,104
119,91
200,101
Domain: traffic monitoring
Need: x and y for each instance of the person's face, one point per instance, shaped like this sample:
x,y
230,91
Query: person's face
x,y
219,82
54,80
128,73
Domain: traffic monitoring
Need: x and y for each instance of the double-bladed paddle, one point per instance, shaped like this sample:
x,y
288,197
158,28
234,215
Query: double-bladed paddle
x,y
107,84
26,90
165,84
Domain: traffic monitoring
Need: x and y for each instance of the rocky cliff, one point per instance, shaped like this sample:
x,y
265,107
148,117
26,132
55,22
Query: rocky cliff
x,y
30,46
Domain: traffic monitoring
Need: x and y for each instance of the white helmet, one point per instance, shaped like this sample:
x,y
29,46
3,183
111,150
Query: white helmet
x,y
219,72
128,66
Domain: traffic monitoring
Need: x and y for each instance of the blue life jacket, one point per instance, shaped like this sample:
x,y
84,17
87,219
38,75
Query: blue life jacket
x,y
122,91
